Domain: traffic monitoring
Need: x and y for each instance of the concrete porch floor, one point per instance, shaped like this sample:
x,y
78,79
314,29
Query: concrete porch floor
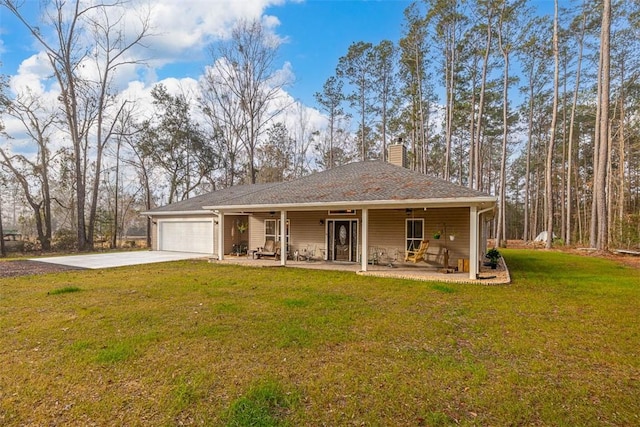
x,y
419,271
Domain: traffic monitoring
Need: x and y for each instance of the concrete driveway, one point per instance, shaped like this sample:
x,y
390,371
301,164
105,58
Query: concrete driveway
x,y
119,259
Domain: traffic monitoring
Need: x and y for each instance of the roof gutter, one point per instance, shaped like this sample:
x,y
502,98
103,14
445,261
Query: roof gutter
x,y
417,203
174,213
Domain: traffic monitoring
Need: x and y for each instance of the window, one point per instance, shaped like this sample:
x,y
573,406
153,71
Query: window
x,y
414,233
272,230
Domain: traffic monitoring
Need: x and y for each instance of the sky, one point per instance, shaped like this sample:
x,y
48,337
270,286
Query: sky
x,y
315,34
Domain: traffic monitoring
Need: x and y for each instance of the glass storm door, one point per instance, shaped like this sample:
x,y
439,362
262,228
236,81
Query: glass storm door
x,y
343,240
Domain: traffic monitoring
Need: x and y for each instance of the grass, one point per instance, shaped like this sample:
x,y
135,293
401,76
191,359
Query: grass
x,y
195,343
64,290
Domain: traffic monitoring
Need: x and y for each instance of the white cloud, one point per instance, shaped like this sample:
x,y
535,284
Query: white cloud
x,y
184,29
181,30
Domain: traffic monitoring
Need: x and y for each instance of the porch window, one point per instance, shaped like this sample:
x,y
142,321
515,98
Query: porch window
x,y
272,230
414,233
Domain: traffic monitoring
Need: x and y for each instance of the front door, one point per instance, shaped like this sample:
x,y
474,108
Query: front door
x,y
343,240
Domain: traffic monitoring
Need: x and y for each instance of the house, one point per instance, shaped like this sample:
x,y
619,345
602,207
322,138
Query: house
x,y
350,214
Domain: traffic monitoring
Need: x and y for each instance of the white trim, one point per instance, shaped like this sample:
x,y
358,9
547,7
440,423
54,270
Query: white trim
x,y
358,239
474,218
371,204
364,231
283,238
220,235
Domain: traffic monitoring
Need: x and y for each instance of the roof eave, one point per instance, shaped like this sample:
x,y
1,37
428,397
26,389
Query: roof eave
x,y
370,204
174,213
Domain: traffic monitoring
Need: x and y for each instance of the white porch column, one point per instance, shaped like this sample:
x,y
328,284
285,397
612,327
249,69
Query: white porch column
x,y
283,238
365,240
473,242
220,235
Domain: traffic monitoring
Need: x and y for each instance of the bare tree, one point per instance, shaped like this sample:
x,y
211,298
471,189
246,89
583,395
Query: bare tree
x,y
33,175
244,87
89,46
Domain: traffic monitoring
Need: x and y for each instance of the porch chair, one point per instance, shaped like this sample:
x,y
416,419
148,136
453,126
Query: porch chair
x,y
417,255
270,248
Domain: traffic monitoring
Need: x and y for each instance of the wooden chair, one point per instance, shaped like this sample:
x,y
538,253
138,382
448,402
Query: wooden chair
x,y
417,255
270,248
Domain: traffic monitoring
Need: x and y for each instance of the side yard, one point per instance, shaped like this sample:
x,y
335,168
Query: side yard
x,y
197,343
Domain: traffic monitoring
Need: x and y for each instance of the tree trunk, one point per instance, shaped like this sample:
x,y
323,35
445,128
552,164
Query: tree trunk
x,y
601,182
574,105
552,133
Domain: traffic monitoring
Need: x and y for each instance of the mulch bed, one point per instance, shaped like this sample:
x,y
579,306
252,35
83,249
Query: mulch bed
x,y
21,267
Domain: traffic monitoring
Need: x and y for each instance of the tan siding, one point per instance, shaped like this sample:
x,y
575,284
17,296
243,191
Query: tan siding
x,y
154,234
387,231
398,155
455,220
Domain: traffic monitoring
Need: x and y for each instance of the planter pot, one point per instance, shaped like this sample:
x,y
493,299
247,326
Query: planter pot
x,y
452,238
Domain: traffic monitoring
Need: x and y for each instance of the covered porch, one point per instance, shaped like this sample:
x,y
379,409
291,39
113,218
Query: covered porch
x,y
369,240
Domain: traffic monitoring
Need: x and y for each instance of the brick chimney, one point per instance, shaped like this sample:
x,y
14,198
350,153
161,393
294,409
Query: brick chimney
x,y
398,153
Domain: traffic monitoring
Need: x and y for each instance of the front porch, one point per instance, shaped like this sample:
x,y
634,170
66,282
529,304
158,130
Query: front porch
x,y
400,270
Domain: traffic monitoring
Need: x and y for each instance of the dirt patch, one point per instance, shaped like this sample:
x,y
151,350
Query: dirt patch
x,y
16,268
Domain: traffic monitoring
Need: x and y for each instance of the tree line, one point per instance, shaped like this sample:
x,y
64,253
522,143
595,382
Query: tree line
x,y
537,107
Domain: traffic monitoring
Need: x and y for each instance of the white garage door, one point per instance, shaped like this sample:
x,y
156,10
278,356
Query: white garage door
x,y
186,236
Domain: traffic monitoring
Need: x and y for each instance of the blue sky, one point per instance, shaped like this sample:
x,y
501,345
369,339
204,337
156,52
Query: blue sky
x,y
320,32
317,33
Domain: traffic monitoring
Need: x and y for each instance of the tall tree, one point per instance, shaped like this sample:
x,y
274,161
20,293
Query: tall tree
x,y
330,100
579,26
89,107
356,68
175,143
275,155
447,21
600,184
245,90
552,132
384,60
414,56
33,174
534,57
508,26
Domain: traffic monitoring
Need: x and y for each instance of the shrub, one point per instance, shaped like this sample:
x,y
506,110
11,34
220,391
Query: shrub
x,y
65,240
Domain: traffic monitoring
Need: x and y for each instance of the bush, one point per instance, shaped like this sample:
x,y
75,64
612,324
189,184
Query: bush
x,y
65,240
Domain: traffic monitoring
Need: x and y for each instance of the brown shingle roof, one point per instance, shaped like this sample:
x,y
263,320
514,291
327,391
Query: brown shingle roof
x,y
371,181
363,183
195,204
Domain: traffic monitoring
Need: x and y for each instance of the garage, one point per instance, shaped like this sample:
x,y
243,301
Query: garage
x,y
186,236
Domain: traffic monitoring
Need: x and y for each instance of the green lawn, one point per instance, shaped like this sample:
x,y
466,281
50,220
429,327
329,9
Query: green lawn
x,y
204,344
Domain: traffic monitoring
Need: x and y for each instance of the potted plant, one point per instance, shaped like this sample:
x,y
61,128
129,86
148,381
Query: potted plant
x,y
493,255
436,234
